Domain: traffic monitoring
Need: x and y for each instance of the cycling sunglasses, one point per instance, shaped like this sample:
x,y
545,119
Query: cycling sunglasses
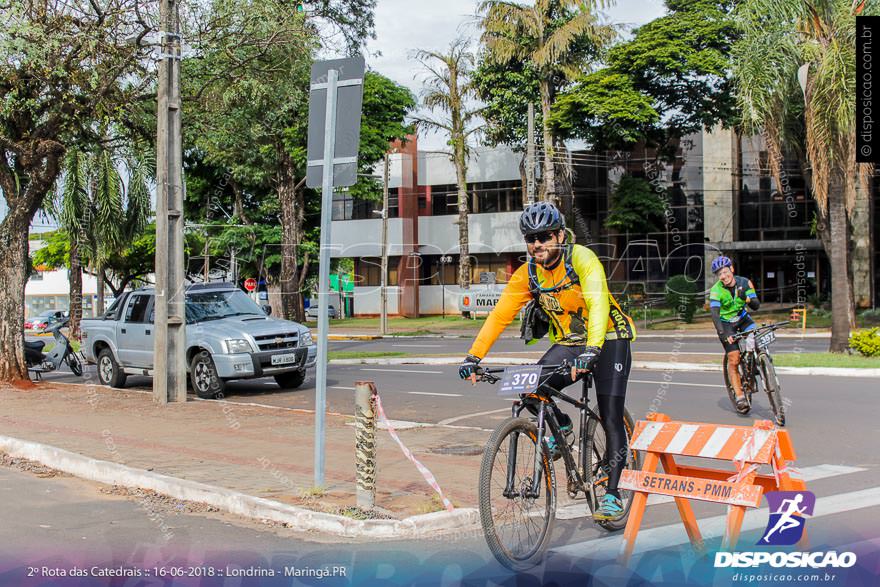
x,y
541,236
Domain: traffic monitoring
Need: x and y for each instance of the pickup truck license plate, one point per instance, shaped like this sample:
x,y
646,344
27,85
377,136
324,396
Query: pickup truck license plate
x,y
285,359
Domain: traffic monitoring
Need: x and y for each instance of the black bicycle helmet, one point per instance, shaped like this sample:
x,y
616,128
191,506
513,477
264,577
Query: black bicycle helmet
x,y
540,217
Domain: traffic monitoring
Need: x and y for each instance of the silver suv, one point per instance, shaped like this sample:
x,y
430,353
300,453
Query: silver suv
x,y
227,337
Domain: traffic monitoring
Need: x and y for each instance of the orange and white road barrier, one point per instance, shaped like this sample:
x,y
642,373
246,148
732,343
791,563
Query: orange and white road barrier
x,y
747,447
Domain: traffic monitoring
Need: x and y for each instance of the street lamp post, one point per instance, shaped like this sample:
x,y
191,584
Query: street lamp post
x,y
444,261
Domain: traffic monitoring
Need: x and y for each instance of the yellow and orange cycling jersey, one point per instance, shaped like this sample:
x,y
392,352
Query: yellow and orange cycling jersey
x,y
580,313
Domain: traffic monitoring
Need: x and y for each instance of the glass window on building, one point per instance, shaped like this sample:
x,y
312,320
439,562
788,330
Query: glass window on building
x,y
368,271
496,264
345,207
483,198
768,211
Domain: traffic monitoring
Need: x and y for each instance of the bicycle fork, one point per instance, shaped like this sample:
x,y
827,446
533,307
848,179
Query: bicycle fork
x,y
532,492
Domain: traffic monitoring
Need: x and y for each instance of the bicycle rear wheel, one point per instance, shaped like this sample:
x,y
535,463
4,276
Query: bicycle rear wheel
x,y
516,527
772,387
598,466
731,393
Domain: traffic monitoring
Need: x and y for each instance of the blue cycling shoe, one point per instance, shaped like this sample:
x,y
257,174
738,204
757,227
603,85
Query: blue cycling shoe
x,y
610,508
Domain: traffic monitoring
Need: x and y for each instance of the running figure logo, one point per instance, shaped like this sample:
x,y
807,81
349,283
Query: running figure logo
x,y
786,524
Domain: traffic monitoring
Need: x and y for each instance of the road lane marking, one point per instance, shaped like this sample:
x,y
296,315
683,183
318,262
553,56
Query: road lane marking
x,y
420,346
672,383
814,473
340,387
713,527
466,416
434,393
403,371
680,352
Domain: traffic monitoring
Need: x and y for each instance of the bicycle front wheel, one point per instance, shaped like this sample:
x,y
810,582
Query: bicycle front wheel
x,y
599,463
515,521
771,385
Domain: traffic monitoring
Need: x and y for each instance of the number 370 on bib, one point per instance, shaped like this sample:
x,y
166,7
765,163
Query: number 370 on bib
x,y
520,380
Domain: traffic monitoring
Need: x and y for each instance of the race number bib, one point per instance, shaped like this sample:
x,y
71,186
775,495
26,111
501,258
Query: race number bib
x,y
520,380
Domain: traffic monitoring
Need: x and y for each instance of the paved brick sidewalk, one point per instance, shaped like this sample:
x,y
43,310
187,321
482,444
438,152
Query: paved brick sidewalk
x,y
252,449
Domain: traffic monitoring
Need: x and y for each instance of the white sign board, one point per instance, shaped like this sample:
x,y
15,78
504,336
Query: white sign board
x,y
479,300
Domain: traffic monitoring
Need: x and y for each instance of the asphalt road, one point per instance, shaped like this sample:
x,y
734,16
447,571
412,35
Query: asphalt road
x,y
652,346
64,521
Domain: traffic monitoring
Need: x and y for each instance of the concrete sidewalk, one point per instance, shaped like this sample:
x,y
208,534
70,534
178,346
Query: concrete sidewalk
x,y
246,459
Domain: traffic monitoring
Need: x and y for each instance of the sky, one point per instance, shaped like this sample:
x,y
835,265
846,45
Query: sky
x,y
403,26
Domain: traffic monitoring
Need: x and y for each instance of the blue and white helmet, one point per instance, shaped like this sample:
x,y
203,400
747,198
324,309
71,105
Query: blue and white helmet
x,y
540,217
720,263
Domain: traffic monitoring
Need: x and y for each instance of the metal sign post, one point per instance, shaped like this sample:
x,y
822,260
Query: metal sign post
x,y
335,82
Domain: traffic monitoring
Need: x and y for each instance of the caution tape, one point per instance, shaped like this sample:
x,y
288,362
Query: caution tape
x,y
429,477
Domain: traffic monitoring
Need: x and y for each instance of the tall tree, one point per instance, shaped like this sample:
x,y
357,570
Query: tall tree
x,y
670,79
779,38
62,66
559,39
449,88
249,96
101,213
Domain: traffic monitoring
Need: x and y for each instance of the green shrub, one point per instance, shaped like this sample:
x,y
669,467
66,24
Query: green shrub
x,y
867,342
681,295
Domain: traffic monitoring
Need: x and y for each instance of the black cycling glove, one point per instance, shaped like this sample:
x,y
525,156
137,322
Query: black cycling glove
x,y
588,359
468,367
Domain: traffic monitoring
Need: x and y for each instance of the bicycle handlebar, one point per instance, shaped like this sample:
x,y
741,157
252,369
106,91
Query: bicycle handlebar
x,y
762,328
487,375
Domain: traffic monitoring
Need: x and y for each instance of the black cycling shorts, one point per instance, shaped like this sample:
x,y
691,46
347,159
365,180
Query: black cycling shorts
x,y
611,373
731,328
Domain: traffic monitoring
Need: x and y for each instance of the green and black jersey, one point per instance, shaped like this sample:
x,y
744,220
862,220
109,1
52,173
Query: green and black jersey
x,y
731,301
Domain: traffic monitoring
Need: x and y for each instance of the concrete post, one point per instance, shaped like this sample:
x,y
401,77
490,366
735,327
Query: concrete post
x,y
365,443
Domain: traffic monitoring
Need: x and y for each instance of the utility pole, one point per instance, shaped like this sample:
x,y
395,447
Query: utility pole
x,y
169,381
383,319
530,157
207,262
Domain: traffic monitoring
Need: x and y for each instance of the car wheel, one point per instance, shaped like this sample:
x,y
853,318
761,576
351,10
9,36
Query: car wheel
x,y
109,371
203,375
290,380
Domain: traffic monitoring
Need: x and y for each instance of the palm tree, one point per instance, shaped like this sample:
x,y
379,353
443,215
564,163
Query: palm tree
x,y
100,213
783,40
448,88
556,37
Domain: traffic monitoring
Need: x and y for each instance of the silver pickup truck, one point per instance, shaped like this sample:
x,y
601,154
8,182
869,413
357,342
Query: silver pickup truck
x,y
228,336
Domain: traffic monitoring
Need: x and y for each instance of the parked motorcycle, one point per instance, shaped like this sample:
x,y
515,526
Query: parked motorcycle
x,y
40,362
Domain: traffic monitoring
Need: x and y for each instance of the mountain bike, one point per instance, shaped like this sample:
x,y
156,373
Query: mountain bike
x,y
517,488
756,363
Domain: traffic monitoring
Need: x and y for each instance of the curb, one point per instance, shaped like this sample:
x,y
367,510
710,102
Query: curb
x,y
233,502
649,365
352,336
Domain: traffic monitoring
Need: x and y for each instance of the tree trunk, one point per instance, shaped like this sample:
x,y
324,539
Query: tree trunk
x,y
238,203
292,219
36,168
464,263
99,279
842,310
564,184
549,176
75,281
14,269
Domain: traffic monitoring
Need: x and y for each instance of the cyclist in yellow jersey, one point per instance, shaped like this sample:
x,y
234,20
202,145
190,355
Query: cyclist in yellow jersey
x,y
586,325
